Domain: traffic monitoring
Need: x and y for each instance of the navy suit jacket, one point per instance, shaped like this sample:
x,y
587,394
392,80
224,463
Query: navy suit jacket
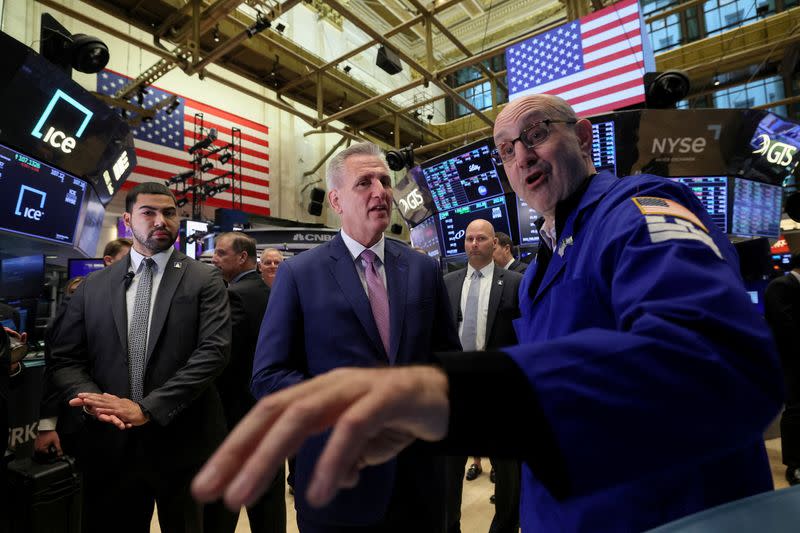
x,y
318,319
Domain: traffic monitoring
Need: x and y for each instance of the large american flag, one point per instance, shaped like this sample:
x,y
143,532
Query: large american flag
x,y
162,144
595,63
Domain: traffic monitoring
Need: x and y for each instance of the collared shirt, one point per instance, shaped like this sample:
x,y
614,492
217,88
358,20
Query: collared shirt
x,y
796,274
483,302
240,276
508,265
355,248
162,260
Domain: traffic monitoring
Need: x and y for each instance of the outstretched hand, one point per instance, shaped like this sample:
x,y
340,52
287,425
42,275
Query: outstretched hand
x,y
374,413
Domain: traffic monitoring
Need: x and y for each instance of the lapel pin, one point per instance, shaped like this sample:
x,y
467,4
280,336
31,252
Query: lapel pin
x,y
499,281
177,264
563,246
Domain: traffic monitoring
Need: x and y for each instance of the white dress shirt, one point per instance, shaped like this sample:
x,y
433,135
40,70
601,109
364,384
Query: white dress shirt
x,y
483,302
509,263
162,260
355,248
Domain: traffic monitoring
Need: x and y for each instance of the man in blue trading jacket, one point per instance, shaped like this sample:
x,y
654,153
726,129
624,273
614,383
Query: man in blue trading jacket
x,y
359,300
641,385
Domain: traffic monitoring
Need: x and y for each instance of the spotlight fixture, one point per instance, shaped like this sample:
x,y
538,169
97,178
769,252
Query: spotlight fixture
x,y
216,33
224,158
261,24
213,191
716,82
430,117
347,69
196,236
204,143
205,167
280,27
179,178
182,202
172,106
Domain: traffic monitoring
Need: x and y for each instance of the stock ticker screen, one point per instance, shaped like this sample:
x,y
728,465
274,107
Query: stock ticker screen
x,y
526,216
424,236
38,200
463,176
604,151
454,222
756,209
712,191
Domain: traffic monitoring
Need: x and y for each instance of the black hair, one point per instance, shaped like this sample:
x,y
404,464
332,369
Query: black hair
x,y
148,187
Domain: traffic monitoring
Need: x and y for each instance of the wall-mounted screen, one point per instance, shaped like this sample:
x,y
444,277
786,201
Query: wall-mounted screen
x,y
424,236
84,267
463,176
604,151
454,222
712,191
38,200
21,277
756,209
526,217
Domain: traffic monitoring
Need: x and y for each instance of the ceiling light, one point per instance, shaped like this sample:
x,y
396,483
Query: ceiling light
x,y
216,34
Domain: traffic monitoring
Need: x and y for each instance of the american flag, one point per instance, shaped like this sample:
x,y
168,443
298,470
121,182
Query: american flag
x,y
162,143
595,63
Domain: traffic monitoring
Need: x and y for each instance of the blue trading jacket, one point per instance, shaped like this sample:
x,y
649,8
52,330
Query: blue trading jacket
x,y
651,365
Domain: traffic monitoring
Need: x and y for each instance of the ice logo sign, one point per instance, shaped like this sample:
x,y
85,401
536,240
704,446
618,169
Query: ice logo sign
x,y
28,211
55,137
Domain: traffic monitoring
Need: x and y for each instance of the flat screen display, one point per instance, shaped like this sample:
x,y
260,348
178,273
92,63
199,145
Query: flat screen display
x,y
712,191
604,151
21,277
526,217
424,236
38,200
463,176
454,222
756,209
84,267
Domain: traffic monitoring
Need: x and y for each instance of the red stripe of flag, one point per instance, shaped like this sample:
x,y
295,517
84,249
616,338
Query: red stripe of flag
x,y
616,55
224,130
610,106
622,37
616,7
600,77
610,25
608,90
224,114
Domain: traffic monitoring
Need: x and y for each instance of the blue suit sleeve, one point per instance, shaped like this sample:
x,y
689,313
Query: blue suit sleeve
x,y
683,371
279,358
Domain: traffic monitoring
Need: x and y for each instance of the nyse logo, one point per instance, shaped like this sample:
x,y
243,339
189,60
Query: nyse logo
x,y
29,212
681,145
57,138
776,152
411,201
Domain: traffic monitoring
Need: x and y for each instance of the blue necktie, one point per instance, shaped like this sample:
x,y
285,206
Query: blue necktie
x,y
137,338
469,330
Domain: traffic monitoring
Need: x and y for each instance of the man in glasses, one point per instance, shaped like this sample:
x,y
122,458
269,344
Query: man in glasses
x,y
641,385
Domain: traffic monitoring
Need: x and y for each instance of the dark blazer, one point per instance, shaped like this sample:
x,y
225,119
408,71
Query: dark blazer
x,y
782,311
319,318
503,304
188,346
518,266
248,300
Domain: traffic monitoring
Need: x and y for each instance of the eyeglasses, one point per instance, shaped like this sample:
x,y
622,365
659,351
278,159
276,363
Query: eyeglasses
x,y
531,136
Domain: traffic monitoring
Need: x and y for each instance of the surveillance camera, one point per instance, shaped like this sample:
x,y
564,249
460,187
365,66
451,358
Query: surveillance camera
x,y
665,89
89,54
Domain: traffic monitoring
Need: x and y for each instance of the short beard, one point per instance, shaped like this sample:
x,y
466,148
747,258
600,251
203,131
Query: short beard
x,y
152,244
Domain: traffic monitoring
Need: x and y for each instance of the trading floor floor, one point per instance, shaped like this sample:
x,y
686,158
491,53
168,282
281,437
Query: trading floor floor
x,y
477,512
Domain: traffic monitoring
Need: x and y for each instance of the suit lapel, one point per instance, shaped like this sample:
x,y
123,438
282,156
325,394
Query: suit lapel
x,y
343,269
396,270
119,308
173,273
495,294
455,294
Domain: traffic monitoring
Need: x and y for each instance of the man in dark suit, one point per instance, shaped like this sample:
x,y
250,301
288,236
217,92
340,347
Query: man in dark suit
x,y
138,349
359,300
782,310
235,256
484,298
503,256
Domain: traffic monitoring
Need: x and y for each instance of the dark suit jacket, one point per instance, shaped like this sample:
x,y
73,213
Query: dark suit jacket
x,y
248,300
518,266
782,311
318,319
188,346
503,304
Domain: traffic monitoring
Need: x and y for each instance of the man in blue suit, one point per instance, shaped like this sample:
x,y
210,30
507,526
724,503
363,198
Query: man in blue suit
x,y
333,306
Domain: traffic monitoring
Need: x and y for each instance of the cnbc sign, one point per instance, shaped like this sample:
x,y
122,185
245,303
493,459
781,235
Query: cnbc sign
x,y
51,134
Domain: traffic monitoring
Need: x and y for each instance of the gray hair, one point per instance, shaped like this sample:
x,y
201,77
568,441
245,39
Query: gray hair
x,y
333,179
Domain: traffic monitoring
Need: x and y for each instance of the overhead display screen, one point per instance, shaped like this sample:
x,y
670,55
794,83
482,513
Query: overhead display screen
x,y
454,222
38,200
463,176
712,191
756,209
424,236
526,216
604,152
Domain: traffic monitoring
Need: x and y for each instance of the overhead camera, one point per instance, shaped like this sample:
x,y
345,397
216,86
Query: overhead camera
x,y
400,159
665,89
82,52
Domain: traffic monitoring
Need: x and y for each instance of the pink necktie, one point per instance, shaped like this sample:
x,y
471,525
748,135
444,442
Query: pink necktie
x,y
378,298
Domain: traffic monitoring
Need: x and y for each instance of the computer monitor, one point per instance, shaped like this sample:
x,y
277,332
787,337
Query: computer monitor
x,y
604,151
712,191
756,209
463,176
21,277
453,223
83,267
424,236
38,200
526,218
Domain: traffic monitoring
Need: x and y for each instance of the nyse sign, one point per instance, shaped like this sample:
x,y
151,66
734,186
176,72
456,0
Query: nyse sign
x,y
411,201
776,152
